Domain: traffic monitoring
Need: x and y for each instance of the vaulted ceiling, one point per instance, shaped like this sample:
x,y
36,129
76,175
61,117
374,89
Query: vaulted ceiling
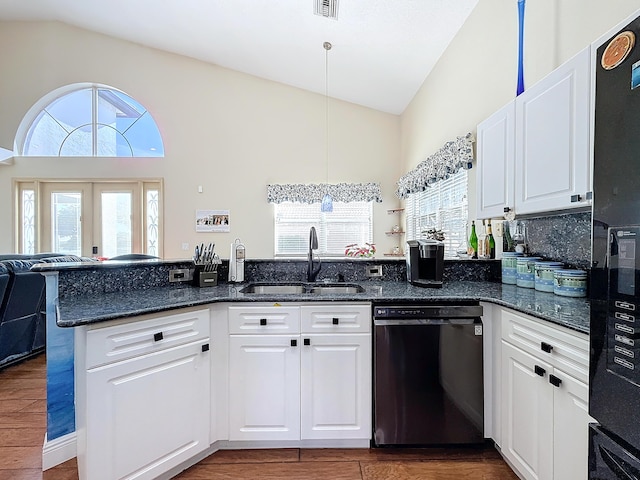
x,y
382,49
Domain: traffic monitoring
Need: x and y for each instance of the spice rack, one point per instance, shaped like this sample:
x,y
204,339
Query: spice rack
x,y
397,251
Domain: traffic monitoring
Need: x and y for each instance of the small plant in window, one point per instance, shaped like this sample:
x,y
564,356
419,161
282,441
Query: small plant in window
x,y
433,234
355,250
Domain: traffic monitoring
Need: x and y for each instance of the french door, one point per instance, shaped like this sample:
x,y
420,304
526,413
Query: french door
x,y
103,219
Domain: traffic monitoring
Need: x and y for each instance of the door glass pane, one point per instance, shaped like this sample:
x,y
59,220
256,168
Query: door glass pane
x,y
152,222
116,223
28,222
66,226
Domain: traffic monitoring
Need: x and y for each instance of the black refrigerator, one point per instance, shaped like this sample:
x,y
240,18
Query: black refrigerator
x,y
614,386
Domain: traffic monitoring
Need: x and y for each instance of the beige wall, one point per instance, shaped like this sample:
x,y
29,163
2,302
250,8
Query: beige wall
x,y
229,132
477,73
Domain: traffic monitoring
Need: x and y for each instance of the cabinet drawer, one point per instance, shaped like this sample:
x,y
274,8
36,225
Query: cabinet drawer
x,y
562,348
149,334
264,320
335,318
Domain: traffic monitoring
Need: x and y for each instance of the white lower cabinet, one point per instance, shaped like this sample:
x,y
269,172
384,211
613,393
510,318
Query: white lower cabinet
x,y
303,386
143,415
544,409
335,387
527,439
264,387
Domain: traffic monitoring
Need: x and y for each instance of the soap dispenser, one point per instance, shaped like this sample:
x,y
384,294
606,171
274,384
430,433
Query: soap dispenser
x,y
236,262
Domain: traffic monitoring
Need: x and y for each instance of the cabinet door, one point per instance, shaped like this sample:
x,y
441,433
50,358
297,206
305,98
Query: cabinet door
x,y
495,175
147,414
527,410
336,387
552,139
264,387
570,428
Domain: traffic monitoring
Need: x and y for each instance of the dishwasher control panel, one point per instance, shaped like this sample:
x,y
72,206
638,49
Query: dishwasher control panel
x,y
428,311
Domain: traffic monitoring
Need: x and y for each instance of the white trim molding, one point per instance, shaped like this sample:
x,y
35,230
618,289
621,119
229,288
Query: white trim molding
x,y
58,451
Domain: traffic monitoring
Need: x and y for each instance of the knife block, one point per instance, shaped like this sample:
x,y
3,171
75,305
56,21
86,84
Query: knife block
x,y
205,279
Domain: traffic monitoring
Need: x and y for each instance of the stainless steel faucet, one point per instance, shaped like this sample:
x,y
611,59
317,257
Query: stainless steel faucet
x,y
312,272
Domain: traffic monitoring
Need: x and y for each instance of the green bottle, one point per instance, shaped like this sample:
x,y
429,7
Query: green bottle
x,y
507,242
491,243
473,240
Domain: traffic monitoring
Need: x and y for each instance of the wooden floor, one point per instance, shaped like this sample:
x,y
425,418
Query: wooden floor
x,y
22,428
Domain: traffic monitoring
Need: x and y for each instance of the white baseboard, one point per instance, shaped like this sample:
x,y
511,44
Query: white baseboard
x,y
58,451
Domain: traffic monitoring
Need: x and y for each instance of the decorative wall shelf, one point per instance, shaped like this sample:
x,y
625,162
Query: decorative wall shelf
x,y
395,210
394,255
400,232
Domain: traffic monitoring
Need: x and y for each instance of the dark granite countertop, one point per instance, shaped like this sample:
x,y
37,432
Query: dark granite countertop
x,y
87,309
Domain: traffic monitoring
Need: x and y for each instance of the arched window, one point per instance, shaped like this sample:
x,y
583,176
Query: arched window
x,y
89,121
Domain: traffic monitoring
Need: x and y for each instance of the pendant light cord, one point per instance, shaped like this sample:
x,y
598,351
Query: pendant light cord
x,y
327,202
327,47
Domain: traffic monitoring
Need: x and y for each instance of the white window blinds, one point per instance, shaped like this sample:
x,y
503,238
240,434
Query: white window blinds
x,y
349,223
442,206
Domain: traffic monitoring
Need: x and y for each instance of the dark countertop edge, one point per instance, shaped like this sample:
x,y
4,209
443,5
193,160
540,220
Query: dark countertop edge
x,y
366,297
58,266
90,265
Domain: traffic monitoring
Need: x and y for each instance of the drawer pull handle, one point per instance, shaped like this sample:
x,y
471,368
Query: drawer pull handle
x,y
546,347
157,336
335,320
263,321
539,371
576,198
294,342
555,381
307,341
205,347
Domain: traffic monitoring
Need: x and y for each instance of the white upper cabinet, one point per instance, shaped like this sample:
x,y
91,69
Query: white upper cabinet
x,y
552,139
495,151
533,154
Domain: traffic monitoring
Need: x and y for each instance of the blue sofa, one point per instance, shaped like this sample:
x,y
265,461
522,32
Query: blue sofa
x,y
22,307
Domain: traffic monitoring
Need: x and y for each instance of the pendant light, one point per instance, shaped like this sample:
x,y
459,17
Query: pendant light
x,y
327,202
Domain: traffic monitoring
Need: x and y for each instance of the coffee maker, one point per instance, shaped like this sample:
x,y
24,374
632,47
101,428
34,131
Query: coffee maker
x,y
425,262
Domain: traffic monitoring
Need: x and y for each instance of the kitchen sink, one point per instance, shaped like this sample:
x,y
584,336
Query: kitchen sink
x,y
297,288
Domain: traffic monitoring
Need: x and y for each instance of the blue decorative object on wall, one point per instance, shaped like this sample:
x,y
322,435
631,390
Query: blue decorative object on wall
x,y
520,87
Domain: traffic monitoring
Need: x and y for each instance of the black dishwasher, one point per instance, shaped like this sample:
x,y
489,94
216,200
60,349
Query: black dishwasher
x,y
428,381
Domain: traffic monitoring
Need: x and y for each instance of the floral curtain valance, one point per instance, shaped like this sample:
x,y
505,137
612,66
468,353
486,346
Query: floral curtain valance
x,y
448,160
313,193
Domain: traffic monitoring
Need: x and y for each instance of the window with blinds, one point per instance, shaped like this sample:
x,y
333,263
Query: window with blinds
x,y
349,223
442,206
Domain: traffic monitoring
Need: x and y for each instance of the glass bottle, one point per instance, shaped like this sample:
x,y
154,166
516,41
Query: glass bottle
x,y
491,243
482,242
473,241
507,241
519,238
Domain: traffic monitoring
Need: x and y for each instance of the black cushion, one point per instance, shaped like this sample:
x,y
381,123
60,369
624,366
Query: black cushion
x,y
135,256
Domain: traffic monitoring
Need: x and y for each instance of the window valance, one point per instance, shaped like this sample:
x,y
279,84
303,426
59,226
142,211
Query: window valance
x,y
448,160
313,193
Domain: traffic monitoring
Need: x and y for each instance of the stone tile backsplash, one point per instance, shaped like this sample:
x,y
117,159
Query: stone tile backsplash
x,y
564,238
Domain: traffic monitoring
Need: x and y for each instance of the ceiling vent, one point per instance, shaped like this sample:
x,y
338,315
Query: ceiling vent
x,y
326,8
